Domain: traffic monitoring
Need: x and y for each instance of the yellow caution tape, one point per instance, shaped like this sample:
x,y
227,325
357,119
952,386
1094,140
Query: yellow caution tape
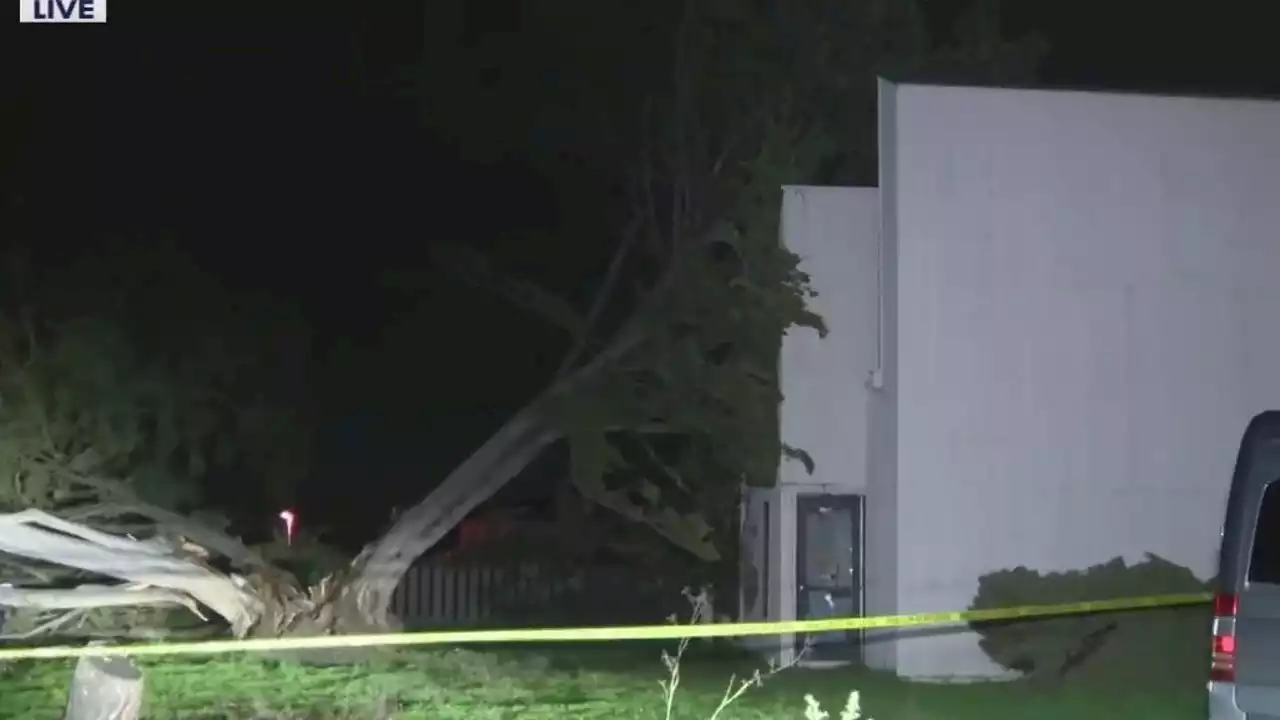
x,y
639,632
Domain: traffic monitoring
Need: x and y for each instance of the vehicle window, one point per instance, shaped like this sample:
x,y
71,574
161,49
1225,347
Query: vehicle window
x,y
1264,561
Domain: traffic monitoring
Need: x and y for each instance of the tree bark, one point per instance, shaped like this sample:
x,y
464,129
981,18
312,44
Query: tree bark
x,y
378,570
105,688
365,603
146,564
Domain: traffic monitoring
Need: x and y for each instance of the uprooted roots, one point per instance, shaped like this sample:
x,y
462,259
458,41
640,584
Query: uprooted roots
x,y
162,572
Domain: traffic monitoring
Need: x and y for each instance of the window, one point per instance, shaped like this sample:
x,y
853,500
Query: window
x,y
1264,561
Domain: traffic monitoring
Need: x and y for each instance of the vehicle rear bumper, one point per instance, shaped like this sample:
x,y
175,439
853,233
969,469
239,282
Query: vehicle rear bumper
x,y
1222,702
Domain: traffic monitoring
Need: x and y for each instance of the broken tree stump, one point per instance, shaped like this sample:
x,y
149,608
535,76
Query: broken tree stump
x,y
105,688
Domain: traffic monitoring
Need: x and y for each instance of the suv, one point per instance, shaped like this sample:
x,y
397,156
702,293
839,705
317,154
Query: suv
x,y
1244,675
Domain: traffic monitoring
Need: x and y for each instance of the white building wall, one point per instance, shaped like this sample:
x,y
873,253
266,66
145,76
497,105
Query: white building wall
x,y
882,449
1087,287
835,231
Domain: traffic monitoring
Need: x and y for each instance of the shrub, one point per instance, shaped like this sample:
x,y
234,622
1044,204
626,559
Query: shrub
x,y
1162,646
737,687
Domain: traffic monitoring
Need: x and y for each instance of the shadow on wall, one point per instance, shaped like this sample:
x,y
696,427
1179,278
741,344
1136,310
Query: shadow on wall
x,y
1160,647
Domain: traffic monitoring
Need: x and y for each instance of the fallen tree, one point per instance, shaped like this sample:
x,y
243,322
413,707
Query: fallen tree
x,y
666,398
151,572
105,434
668,393
161,571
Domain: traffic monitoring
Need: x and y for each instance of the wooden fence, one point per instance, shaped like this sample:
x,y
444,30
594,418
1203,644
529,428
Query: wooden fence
x,y
439,594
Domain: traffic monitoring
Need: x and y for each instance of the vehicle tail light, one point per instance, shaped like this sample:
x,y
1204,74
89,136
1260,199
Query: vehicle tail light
x,y
1222,666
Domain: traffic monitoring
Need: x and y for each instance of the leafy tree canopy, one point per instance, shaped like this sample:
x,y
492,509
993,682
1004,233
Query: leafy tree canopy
x,y
669,394
126,378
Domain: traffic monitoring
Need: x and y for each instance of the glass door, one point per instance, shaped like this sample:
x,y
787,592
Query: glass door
x,y
829,571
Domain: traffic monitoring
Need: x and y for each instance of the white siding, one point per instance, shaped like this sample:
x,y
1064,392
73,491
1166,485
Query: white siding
x,y
882,450
1085,302
835,231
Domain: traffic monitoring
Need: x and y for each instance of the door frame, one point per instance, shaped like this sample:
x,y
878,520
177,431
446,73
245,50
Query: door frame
x,y
857,503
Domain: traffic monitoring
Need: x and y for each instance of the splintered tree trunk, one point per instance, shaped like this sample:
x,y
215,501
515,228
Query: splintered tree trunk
x,y
366,598
378,570
105,688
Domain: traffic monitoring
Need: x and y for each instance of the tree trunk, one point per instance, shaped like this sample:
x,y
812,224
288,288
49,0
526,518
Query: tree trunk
x,y
378,570
105,688
366,597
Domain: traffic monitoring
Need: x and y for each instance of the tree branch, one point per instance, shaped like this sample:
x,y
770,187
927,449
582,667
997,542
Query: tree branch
x,y
680,113
48,627
90,597
147,564
40,575
601,299
123,501
669,471
647,208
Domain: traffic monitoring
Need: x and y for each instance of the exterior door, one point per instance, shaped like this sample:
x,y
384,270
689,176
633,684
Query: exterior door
x,y
829,571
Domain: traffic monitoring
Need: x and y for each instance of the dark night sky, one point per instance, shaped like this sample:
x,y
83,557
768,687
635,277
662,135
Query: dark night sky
x,y
320,153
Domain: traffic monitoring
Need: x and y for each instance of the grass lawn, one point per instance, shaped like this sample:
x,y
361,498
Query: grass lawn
x,y
560,684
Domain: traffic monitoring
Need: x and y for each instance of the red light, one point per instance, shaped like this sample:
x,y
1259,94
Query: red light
x,y
1225,644
1225,605
290,519
1222,666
